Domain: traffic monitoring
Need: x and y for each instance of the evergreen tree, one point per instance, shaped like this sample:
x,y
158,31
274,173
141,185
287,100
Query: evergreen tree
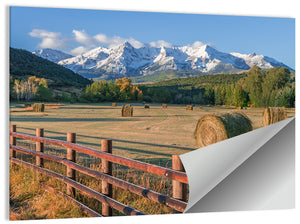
x,y
209,96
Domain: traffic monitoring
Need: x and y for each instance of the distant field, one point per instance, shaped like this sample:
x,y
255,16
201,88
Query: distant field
x,y
153,134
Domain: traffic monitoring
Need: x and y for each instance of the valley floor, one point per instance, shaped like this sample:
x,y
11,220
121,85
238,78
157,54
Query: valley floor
x,y
153,134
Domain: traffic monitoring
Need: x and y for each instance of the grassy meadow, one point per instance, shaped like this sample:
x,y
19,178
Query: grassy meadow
x,y
151,135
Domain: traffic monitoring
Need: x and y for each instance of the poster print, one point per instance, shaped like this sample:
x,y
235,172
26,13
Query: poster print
x,y
102,103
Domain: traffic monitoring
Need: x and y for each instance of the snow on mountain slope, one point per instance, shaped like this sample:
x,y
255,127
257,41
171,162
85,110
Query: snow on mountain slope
x,y
52,55
87,60
206,57
260,60
124,60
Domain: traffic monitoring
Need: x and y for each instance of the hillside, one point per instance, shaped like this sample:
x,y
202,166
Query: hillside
x,y
23,64
197,81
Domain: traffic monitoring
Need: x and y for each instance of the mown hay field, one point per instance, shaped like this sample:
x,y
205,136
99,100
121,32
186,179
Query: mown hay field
x,y
153,134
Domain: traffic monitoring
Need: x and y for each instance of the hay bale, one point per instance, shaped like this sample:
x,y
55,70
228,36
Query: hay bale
x,y
272,115
147,106
200,108
38,107
213,128
127,111
189,107
114,104
164,105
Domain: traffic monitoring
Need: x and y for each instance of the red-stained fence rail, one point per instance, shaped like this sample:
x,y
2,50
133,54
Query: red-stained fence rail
x,y
177,174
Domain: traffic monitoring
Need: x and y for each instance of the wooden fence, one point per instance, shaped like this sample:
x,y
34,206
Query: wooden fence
x,y
177,174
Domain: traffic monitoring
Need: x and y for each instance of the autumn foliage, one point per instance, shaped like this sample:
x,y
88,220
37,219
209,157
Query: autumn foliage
x,y
119,90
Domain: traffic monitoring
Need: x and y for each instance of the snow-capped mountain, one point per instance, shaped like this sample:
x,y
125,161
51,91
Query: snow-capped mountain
x,y
260,60
52,55
125,60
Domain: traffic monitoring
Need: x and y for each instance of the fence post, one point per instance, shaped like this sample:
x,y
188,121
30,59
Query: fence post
x,y
71,155
179,189
106,146
39,132
13,140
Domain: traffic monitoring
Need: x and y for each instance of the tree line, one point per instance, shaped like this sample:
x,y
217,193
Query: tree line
x,y
257,87
118,90
31,89
36,89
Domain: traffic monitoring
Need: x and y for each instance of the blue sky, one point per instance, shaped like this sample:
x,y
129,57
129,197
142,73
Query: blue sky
x,y
75,30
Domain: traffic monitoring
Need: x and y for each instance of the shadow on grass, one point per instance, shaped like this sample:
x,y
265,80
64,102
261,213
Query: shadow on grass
x,y
54,119
63,151
130,149
114,139
90,108
164,116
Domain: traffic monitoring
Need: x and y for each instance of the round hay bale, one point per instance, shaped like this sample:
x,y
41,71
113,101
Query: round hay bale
x,y
164,105
189,107
272,115
114,104
127,111
213,128
38,107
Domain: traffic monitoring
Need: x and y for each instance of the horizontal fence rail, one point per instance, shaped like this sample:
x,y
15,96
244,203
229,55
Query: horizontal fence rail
x,y
88,191
150,168
179,178
154,196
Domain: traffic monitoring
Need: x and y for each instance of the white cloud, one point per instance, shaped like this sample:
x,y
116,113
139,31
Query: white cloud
x,y
160,43
116,40
109,41
87,42
135,43
101,39
79,50
83,38
49,39
197,44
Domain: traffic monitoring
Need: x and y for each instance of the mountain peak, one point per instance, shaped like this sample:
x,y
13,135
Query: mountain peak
x,y
127,60
127,44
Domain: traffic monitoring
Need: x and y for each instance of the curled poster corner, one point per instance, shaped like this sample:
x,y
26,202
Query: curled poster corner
x,y
252,171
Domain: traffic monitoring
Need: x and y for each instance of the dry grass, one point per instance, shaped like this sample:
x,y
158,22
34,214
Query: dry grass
x,y
30,108
152,136
39,199
54,104
29,201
